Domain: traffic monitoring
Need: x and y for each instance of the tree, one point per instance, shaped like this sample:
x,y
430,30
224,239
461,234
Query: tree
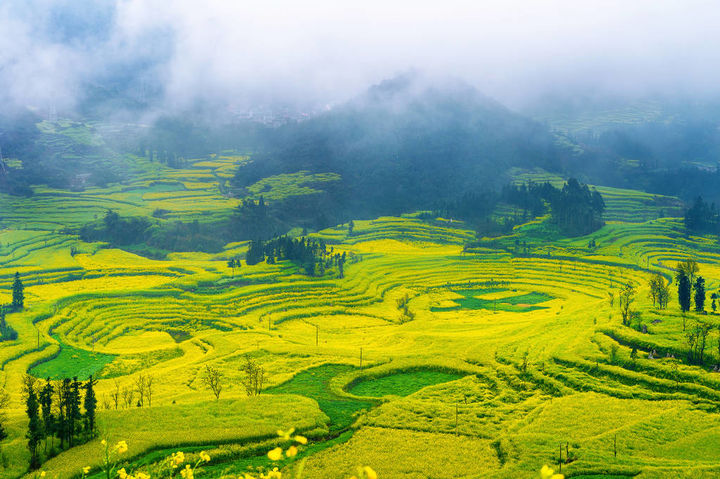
x,y
254,376
697,340
689,267
4,402
128,394
684,293
18,294
255,253
627,297
700,294
234,263
90,406
74,417
149,390
64,396
115,395
351,227
140,385
659,291
34,432
212,378
48,420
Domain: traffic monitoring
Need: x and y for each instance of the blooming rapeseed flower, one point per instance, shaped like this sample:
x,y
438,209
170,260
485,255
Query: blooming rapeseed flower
x,y
205,456
178,458
142,475
275,454
286,434
547,473
122,447
122,474
300,439
369,472
86,469
187,473
291,452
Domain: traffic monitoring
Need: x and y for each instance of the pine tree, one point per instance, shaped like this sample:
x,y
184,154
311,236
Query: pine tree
x,y
684,292
48,420
90,406
700,294
34,433
18,295
62,424
74,416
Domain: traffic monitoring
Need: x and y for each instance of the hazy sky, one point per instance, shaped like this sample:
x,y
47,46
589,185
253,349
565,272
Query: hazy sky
x,y
238,52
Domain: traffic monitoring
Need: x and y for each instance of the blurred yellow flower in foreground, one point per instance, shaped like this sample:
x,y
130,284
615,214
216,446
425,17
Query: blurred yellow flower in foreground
x,y
275,454
204,456
547,473
122,447
187,473
178,457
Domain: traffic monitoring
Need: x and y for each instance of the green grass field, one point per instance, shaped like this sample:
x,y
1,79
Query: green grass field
x,y
512,354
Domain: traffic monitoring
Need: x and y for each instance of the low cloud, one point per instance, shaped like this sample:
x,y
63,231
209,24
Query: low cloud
x,y
233,54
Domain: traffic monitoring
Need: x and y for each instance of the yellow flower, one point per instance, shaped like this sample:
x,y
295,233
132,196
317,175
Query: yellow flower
x,y
286,434
274,474
86,469
178,457
122,474
547,473
122,447
291,452
42,474
142,475
369,472
187,473
204,456
300,439
103,442
275,454
558,476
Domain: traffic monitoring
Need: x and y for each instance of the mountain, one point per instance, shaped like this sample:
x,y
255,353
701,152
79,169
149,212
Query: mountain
x,y
408,143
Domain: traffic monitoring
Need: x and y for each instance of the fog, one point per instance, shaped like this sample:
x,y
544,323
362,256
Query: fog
x,y
231,55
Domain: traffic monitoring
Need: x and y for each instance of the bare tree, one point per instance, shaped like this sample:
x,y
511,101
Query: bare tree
x,y
115,395
253,378
128,394
212,378
140,385
149,389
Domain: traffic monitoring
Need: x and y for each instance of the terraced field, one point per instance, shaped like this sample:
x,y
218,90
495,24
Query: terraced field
x,y
514,356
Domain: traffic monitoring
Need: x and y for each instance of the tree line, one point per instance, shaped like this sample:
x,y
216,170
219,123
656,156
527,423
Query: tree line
x,y
575,208
311,255
702,217
62,411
